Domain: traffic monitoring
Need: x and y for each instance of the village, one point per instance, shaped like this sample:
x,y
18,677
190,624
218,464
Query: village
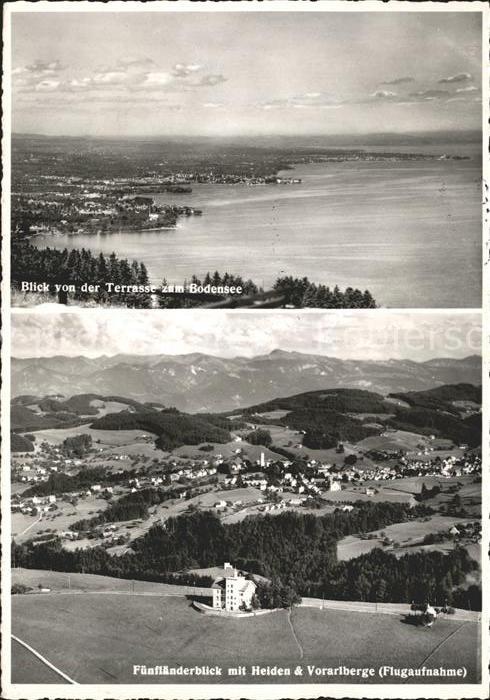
x,y
58,205
52,491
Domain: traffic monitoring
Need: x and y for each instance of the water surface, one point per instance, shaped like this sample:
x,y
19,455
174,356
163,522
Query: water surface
x,y
410,232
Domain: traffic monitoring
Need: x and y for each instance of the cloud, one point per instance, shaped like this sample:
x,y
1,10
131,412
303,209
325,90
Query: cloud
x,y
384,95
47,85
459,78
78,85
131,62
60,331
303,101
398,81
211,79
155,80
430,94
39,76
44,67
182,70
126,75
110,78
470,88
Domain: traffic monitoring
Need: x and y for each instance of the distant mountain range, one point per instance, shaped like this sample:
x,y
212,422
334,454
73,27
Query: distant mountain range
x,y
201,383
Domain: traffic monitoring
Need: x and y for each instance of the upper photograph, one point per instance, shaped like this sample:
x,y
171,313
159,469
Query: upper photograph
x,y
167,159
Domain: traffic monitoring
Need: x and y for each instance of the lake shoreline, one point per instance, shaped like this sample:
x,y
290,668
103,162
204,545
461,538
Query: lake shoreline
x,y
361,221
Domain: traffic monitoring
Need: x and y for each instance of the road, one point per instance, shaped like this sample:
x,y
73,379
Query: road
x,y
31,525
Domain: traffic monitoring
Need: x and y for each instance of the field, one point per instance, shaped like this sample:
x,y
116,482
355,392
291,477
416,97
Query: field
x,y
97,636
408,537
25,664
287,439
106,438
228,450
25,527
60,581
387,491
394,440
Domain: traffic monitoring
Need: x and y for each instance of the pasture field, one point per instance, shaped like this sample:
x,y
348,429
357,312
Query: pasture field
x,y
351,547
408,535
281,436
247,494
106,438
97,637
351,494
112,462
24,663
393,440
274,415
228,450
105,407
169,509
58,520
206,501
61,581
411,484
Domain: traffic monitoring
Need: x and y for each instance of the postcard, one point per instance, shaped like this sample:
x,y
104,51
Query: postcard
x,y
280,155
244,350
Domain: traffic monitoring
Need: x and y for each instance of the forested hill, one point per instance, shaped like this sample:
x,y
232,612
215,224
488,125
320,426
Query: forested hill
x,y
172,427
342,400
325,417
445,397
450,411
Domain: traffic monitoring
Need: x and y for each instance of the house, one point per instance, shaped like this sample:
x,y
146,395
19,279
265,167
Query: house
x,y
232,591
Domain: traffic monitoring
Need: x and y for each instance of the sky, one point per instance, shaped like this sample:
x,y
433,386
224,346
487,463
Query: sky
x,y
362,335
245,73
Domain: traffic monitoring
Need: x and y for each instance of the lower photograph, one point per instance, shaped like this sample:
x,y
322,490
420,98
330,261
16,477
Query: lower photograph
x,y
243,498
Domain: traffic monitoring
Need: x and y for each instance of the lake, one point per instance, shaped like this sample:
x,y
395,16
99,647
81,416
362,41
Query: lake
x,y
410,232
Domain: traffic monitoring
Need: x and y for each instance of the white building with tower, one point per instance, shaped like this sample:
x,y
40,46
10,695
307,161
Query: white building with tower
x,y
232,591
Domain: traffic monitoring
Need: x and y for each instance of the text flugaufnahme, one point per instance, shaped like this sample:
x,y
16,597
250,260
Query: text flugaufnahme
x,y
309,671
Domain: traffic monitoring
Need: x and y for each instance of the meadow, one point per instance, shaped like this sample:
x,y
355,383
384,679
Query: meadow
x,y
407,536
97,637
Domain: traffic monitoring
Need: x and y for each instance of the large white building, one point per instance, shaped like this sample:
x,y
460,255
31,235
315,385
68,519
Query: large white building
x,y
232,591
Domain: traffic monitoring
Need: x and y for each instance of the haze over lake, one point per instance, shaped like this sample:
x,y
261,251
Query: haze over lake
x,y
409,231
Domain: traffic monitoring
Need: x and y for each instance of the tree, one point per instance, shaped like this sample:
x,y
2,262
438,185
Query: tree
x,y
309,297
77,445
259,437
362,587
381,590
143,274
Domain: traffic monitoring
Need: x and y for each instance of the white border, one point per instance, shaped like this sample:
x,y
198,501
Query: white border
x,y
272,691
